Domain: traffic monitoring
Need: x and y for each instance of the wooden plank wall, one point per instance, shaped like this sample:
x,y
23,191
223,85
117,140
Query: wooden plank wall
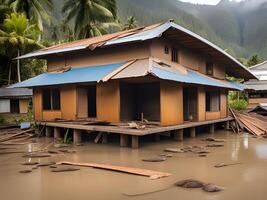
x,y
201,103
108,101
37,104
23,106
171,103
68,100
82,102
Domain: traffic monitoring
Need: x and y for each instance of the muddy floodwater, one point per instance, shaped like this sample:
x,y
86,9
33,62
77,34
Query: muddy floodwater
x,y
246,181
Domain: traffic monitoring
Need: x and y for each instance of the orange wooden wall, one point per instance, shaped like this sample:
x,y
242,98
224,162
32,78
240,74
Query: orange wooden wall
x,y
171,103
68,100
108,101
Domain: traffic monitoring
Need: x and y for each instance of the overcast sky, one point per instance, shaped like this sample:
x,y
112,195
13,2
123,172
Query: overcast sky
x,y
211,2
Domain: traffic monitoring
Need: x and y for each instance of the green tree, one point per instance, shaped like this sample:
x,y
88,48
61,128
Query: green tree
x,y
35,10
20,34
90,17
4,10
130,24
253,60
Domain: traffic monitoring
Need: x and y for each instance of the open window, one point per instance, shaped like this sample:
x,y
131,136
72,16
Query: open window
x,y
209,68
212,101
14,106
51,99
175,57
190,102
139,100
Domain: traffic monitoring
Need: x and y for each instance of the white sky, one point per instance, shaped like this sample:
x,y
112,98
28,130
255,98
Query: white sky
x,y
211,2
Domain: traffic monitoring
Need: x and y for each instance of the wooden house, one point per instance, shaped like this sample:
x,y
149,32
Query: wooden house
x,y
162,73
257,88
14,101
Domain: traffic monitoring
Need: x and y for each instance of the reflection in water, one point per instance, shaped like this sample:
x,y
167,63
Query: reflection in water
x,y
261,151
245,142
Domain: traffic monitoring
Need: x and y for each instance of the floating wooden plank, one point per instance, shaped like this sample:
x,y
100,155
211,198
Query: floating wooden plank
x,y
137,171
16,135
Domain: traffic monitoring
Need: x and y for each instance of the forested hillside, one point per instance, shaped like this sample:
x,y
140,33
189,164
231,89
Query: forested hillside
x,y
239,27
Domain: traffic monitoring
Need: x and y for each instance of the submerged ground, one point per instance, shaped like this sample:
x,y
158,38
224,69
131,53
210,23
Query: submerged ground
x,y
245,181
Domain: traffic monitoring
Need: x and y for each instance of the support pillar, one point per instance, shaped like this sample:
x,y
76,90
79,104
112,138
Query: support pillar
x,y
227,125
57,133
123,140
105,138
48,131
178,135
193,132
77,136
212,128
135,141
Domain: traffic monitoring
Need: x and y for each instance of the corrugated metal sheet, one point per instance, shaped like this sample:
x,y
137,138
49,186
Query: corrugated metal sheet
x,y
15,92
256,85
75,75
193,77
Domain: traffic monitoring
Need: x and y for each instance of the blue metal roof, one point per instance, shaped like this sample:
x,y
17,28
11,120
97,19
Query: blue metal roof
x,y
193,77
75,75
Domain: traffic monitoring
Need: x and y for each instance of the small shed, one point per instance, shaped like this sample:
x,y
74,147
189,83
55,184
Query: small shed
x,y
14,100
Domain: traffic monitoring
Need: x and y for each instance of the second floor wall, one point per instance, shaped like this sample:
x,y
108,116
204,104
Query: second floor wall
x,y
158,48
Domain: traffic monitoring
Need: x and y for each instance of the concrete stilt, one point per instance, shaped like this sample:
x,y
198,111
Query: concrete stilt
x,y
157,137
178,135
227,125
105,138
212,128
57,133
48,131
123,140
193,132
77,136
135,141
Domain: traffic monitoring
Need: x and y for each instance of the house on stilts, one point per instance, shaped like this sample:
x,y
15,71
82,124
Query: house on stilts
x,y
162,74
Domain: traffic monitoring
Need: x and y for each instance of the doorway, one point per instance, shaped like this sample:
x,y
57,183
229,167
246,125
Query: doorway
x,y
190,103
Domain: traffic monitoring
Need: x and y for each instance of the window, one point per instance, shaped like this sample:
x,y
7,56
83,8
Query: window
x,y
209,68
51,99
212,101
14,105
175,55
166,50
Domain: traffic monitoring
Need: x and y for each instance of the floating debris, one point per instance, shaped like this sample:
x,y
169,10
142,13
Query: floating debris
x,y
212,188
214,145
36,155
173,150
25,171
190,183
30,163
225,164
202,155
44,164
211,139
155,159
64,169
168,155
67,151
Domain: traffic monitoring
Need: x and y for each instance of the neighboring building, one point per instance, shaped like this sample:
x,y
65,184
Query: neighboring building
x,y
257,88
162,72
14,100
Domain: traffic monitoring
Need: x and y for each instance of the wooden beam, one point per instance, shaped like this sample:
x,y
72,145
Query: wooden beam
x,y
48,131
105,138
212,128
97,138
57,133
135,141
193,132
178,135
77,136
123,140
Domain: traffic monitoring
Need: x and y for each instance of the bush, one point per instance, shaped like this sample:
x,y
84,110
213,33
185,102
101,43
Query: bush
x,y
240,104
2,120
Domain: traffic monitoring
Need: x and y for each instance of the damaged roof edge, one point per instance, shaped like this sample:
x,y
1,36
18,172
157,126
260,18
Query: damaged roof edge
x,y
142,36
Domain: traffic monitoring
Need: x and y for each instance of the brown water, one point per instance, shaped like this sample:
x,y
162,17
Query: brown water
x,y
246,181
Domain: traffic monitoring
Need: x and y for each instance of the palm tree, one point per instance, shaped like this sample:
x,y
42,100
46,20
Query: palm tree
x,y
90,17
18,32
4,10
131,23
35,10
